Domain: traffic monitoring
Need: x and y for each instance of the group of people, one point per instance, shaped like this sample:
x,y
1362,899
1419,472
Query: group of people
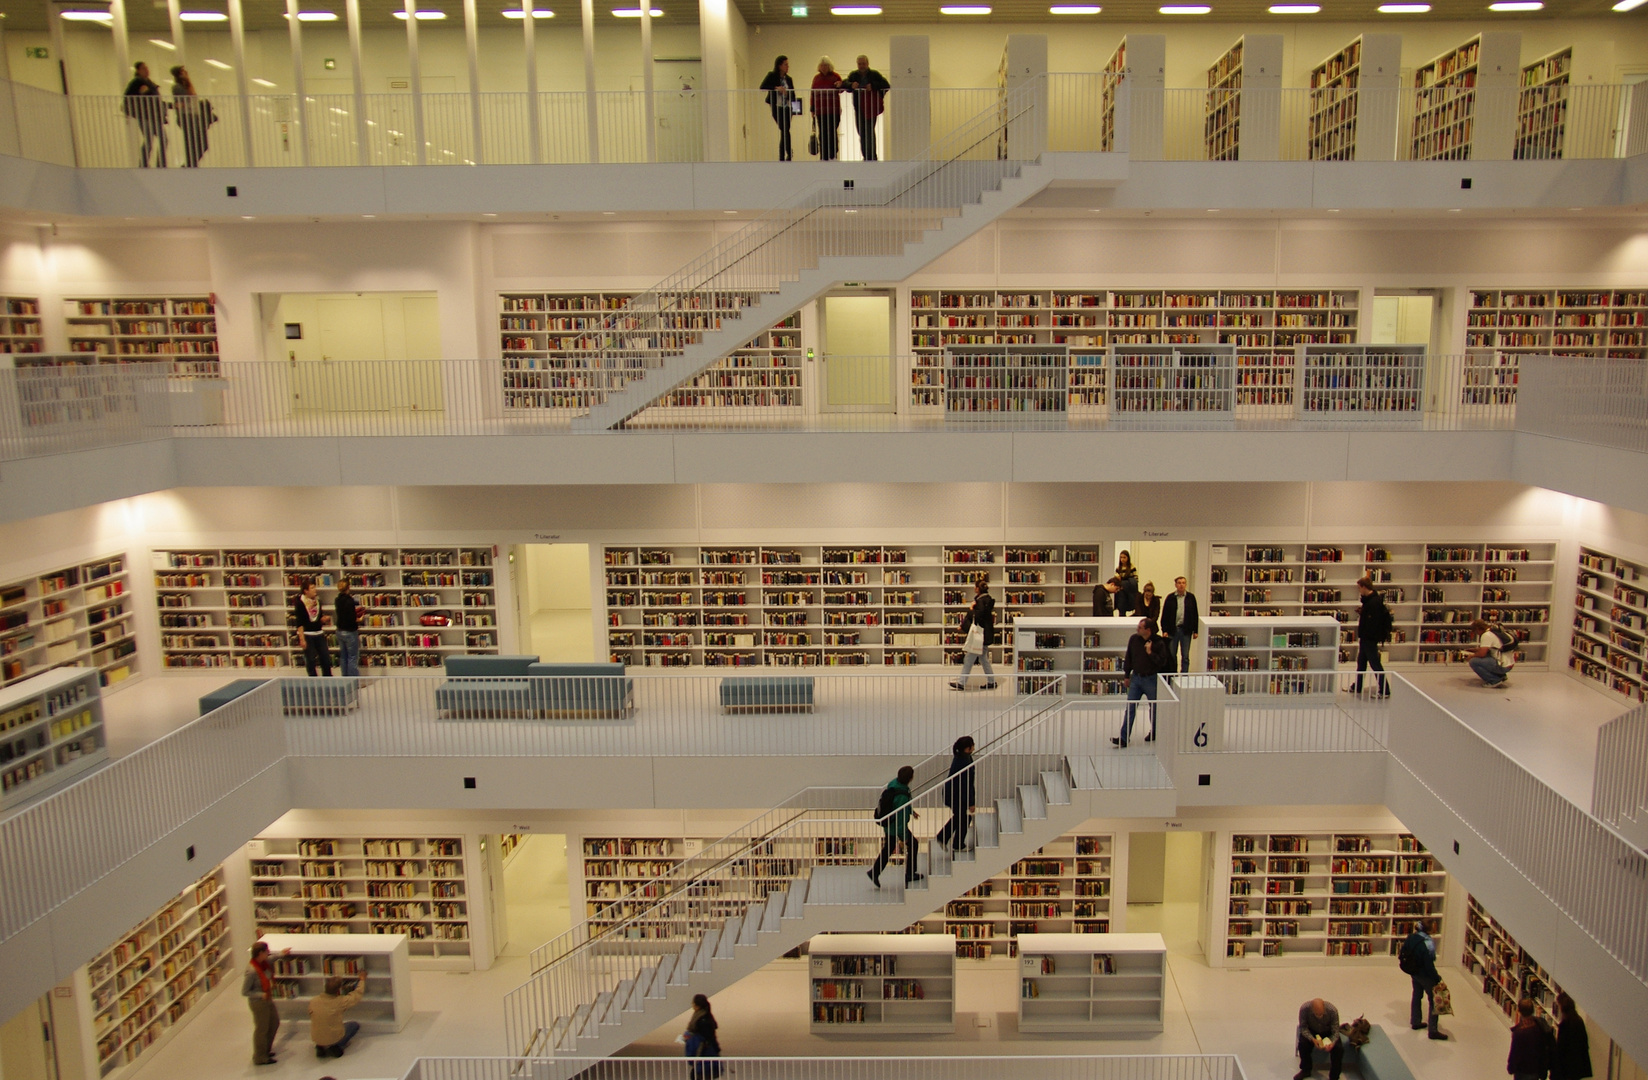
x,y
328,1030
309,617
144,105
867,86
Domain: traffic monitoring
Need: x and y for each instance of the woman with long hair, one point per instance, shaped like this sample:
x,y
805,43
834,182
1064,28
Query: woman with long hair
x,y
194,116
702,1041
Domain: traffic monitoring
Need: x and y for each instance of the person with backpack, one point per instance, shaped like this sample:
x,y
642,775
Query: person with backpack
x,y
1495,654
893,814
1373,629
958,795
703,1041
1417,959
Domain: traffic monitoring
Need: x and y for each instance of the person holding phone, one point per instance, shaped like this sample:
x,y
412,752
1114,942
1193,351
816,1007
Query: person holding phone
x,y
781,99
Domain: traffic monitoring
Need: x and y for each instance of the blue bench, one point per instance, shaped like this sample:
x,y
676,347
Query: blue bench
x,y
1380,1061
597,690
227,693
319,695
499,687
767,693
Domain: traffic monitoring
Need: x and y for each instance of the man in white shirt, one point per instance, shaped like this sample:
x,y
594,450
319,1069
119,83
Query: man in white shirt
x,y
1495,654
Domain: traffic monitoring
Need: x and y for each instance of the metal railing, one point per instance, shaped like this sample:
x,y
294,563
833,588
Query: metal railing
x,y
1589,399
1007,1067
54,410
816,828
1279,712
1619,794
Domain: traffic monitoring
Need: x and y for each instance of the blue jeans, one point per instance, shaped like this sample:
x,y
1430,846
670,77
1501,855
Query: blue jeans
x,y
1178,646
349,652
350,1030
1138,686
1489,670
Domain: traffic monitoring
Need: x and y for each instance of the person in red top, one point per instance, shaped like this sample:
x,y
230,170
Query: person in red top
x,y
827,110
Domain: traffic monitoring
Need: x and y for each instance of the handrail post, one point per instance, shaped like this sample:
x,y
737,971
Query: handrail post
x,y
415,66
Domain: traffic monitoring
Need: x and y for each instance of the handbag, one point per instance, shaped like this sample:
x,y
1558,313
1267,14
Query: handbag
x,y
974,646
812,140
1442,999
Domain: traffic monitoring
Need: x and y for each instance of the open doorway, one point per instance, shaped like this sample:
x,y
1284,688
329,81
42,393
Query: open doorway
x,y
26,1045
858,352
555,601
1404,318
1167,876
533,904
320,335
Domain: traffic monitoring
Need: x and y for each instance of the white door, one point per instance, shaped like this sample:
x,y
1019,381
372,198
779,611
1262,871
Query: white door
x,y
679,109
858,368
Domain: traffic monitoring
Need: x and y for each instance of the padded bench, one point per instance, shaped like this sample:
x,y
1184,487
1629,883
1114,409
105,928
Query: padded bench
x,y
227,693
576,691
767,693
499,687
319,695
1380,1061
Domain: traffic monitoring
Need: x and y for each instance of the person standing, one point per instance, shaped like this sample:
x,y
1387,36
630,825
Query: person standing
x,y
1373,629
958,795
1417,960
979,624
1127,584
1181,623
346,621
310,623
1147,657
869,88
893,814
703,1040
1149,605
1495,653
329,1031
145,105
1103,598
194,116
781,99
1530,1057
1572,1057
258,987
1319,1030
827,110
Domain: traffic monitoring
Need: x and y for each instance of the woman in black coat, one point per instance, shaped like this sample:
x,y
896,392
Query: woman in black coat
x,y
982,615
1127,578
1572,1058
781,98
958,795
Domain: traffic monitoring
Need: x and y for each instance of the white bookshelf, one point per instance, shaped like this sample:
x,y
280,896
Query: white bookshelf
x,y
982,382
1253,63
1179,379
20,327
882,984
1611,623
222,608
811,605
78,614
1353,101
137,994
381,959
1542,106
179,330
1504,971
1434,591
1092,983
51,730
1088,652
1330,895
615,866
1457,112
1503,324
1372,382
413,886
1239,648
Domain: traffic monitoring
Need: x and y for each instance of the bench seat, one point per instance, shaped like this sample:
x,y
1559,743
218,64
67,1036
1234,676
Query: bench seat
x,y
227,693
335,695
767,693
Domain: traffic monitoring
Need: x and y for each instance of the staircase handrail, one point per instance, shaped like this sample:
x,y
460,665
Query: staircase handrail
x,y
1620,786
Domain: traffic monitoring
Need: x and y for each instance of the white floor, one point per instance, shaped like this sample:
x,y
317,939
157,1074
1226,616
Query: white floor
x,y
535,893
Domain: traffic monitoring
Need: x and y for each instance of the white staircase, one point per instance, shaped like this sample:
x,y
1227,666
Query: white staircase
x,y
1619,792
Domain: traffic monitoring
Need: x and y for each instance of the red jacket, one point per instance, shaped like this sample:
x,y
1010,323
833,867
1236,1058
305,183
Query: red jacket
x,y
827,94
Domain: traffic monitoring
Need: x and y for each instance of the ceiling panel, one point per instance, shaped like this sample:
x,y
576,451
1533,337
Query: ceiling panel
x,y
1137,11
149,16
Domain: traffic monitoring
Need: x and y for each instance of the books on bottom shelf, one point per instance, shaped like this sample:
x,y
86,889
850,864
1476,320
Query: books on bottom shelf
x,y
882,983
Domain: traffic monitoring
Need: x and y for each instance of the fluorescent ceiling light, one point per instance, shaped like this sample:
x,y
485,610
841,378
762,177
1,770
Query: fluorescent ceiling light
x,y
88,16
635,12
1184,9
1517,5
317,16
1294,9
1623,5
219,64
162,44
855,11
263,82
537,13
422,16
1404,9
203,16
964,11
1075,9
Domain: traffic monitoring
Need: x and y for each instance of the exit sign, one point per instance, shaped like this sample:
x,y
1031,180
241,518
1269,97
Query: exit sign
x,y
36,52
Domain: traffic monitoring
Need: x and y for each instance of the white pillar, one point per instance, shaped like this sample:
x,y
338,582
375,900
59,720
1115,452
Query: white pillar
x,y
243,78
416,69
472,48
294,34
910,120
715,45
648,112
592,109
534,136
174,12
363,131
122,39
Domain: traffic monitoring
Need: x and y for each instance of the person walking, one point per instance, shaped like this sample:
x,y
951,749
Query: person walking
x,y
958,796
893,814
346,622
1181,623
1127,584
1495,653
781,99
1373,629
979,626
144,104
329,1031
827,110
306,616
1530,1057
1318,1030
194,117
869,88
1571,1059
258,987
703,1041
1149,605
1417,959
1147,657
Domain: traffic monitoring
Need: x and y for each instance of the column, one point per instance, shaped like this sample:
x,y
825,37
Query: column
x,y
1261,124
243,78
1379,88
534,119
174,12
715,45
363,132
648,114
416,70
122,39
910,116
592,110
1498,79
473,50
1143,89
294,34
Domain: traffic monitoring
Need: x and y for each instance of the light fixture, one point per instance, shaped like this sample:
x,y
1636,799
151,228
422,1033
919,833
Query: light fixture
x,y
1455,210
88,16
635,12
1404,9
421,15
339,112
798,11
537,13
1075,9
317,16
263,82
219,64
202,16
1184,9
855,11
1623,5
489,215
369,215
162,43
964,11
1294,9
608,213
247,217
1517,5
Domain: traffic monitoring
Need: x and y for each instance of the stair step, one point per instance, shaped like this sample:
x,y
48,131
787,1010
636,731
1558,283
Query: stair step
x,y
795,901
1085,773
770,919
630,993
751,924
559,1038
986,831
606,1008
1010,816
729,938
706,951
683,964
1032,802
584,1022
1056,788
659,987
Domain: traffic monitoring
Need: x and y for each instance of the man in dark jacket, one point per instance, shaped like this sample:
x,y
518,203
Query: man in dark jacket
x,y
1531,1044
894,814
1418,961
1373,629
958,795
145,105
1104,599
868,88
1147,657
1181,623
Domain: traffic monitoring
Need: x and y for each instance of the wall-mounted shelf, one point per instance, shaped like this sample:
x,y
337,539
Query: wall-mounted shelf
x,y
20,328
51,730
1611,623
180,330
79,614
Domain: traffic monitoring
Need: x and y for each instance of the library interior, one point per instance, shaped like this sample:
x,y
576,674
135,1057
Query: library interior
x,y
492,500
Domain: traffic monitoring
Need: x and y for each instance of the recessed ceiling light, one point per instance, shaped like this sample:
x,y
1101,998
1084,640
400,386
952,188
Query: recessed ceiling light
x,y
1623,5
1454,210
537,13
964,11
422,15
635,12
203,16
263,82
1517,5
1184,9
1404,9
1294,9
247,217
489,215
855,11
317,16
1075,9
88,16
162,44
219,64
1333,211
369,215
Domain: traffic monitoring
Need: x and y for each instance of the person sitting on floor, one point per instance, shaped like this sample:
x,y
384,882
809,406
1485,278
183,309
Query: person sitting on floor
x,y
327,1027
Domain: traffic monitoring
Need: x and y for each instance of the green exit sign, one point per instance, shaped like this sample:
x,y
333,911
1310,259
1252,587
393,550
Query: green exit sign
x,y
36,52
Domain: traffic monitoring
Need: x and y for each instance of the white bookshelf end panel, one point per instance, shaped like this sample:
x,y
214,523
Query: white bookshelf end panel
x,y
882,984
1091,982
382,958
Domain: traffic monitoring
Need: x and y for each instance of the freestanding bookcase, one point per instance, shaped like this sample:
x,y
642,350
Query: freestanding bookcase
x,y
883,984
1091,983
1353,101
381,959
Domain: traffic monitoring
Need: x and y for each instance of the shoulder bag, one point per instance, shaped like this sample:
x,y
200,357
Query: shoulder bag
x,y
975,641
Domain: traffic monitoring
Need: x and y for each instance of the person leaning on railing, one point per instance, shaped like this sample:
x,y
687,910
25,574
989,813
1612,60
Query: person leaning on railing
x,y
869,88
827,110
145,105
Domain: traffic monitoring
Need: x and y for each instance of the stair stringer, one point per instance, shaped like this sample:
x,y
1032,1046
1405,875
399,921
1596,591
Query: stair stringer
x,y
837,918
809,284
